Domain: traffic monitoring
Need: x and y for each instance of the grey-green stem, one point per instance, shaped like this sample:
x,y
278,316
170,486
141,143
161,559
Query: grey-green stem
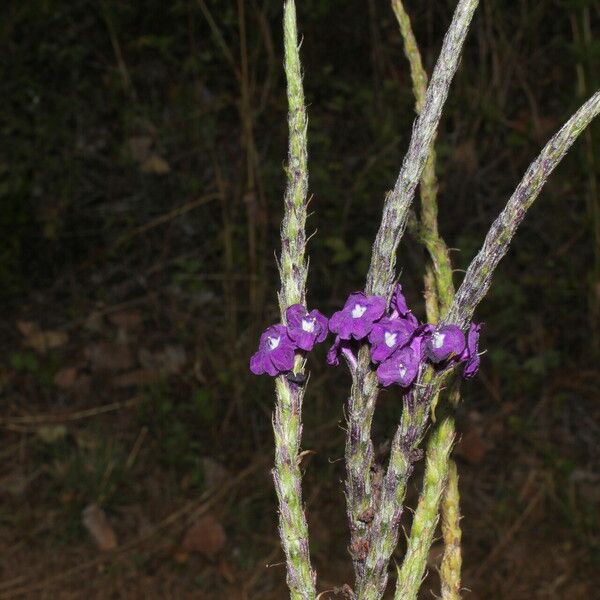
x,y
478,277
381,275
374,541
287,418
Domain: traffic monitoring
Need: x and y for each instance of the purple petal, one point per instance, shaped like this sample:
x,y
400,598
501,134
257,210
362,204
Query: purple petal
x,y
375,307
256,363
322,322
401,368
472,366
294,314
361,328
341,323
470,353
333,354
275,352
398,302
445,342
387,336
353,299
282,359
303,339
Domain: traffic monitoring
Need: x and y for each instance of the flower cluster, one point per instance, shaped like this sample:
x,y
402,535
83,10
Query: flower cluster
x,y
279,343
399,343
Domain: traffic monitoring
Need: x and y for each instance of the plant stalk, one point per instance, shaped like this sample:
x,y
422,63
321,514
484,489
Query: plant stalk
x,y
478,277
382,534
425,520
439,293
381,275
452,558
287,418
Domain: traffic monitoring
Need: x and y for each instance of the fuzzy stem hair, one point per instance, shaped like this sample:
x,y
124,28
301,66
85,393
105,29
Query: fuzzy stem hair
x,y
379,538
425,520
287,418
439,293
381,275
451,532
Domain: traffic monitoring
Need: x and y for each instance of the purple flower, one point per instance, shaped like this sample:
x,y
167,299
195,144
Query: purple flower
x,y
401,367
400,308
445,342
305,328
470,353
420,338
388,335
356,319
275,352
340,347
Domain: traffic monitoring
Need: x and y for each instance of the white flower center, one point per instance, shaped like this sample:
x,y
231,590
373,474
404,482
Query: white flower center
x,y
437,339
308,325
390,339
358,311
273,342
402,370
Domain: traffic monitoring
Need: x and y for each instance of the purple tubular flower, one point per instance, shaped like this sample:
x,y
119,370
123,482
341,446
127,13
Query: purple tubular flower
x,y
340,347
356,319
305,328
400,308
470,353
445,342
388,335
401,368
421,336
275,352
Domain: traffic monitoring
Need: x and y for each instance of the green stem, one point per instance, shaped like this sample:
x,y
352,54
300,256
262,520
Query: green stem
x,y
478,277
452,559
410,574
287,418
371,570
381,275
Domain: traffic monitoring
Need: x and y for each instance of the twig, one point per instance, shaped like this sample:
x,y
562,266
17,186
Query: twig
x,y
165,218
74,416
510,533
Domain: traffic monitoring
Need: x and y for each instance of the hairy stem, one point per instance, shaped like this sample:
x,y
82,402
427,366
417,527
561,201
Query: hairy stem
x,y
419,163
381,273
361,405
287,418
425,520
439,293
292,266
478,277
361,489
404,453
452,559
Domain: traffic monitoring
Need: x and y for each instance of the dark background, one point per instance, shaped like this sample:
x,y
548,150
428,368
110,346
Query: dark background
x,y
141,178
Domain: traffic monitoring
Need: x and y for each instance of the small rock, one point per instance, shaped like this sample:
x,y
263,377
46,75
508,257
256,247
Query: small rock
x,y
95,521
206,537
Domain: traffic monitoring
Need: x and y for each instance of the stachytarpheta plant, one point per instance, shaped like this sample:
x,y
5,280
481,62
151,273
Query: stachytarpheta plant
x,y
384,345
